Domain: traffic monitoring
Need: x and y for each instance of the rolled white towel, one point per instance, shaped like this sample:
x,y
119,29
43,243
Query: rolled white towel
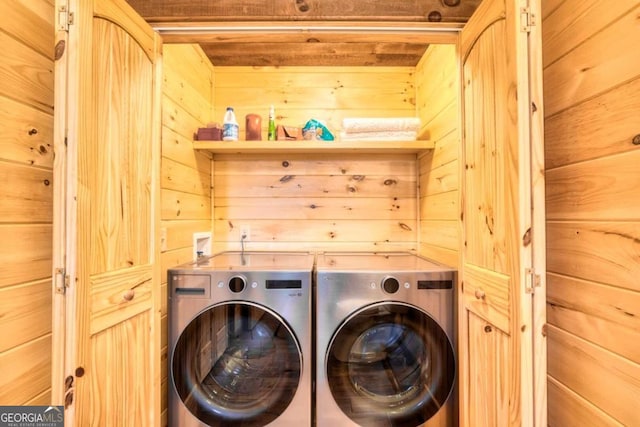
x,y
398,135
372,124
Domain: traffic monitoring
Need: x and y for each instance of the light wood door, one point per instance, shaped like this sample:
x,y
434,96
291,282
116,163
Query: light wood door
x,y
502,365
107,324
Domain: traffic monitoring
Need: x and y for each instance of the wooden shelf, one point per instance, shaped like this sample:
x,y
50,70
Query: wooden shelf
x,y
275,147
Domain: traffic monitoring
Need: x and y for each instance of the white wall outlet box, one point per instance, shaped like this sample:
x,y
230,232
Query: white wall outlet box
x,y
201,244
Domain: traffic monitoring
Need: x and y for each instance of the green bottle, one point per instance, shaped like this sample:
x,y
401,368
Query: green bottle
x,y
271,134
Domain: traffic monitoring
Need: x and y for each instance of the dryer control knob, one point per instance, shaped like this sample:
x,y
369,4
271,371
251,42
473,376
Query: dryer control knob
x,y
237,284
390,285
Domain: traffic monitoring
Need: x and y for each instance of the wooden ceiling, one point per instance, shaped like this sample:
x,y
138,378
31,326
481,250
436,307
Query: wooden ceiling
x,y
308,32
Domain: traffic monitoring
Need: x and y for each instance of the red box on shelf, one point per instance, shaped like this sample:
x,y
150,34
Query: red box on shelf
x,y
209,134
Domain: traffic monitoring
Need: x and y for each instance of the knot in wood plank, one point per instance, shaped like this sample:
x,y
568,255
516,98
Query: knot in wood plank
x,y
302,6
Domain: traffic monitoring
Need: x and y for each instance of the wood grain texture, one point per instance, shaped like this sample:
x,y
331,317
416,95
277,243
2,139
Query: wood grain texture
x,y
26,74
26,162
488,352
604,252
415,147
569,24
407,10
398,54
566,408
28,258
28,138
179,148
591,85
120,296
21,19
610,384
602,126
489,295
112,200
313,186
391,208
437,88
604,315
111,354
443,206
593,67
232,46
441,233
29,197
440,180
353,166
25,311
438,175
179,233
43,399
590,191
179,205
179,177
318,200
325,94
445,256
26,371
497,204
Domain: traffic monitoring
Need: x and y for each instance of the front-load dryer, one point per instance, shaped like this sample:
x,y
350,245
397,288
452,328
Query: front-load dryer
x,y
385,351
240,340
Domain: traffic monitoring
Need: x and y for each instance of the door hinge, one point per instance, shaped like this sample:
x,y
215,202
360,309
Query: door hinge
x,y
532,280
61,281
527,19
65,18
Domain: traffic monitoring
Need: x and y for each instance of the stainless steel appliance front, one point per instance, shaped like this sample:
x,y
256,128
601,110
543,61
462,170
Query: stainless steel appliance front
x,y
240,340
385,347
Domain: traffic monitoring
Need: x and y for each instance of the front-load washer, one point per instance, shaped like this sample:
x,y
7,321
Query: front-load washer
x,y
385,349
240,340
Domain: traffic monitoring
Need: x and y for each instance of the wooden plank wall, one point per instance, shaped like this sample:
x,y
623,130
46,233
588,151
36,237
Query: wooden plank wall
x,y
315,202
592,106
437,103
26,200
186,174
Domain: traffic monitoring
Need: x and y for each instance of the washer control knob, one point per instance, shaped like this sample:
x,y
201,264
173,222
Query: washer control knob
x,y
390,285
237,284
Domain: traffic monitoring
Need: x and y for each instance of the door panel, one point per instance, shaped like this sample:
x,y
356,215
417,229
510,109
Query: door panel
x,y
487,294
498,228
488,352
119,295
118,163
111,310
120,382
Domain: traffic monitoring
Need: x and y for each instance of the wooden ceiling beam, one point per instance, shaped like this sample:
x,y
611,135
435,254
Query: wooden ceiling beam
x,y
303,32
309,10
299,54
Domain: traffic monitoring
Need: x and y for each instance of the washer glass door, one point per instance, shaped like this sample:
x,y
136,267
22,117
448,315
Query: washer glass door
x,y
236,363
390,364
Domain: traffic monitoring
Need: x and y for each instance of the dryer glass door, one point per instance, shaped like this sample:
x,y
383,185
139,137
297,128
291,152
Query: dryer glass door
x,y
236,364
390,364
